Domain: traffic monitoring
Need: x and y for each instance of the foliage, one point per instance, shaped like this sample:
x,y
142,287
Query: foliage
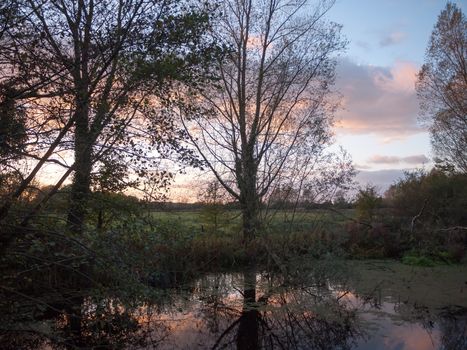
x,y
107,85
442,87
432,257
9,182
97,79
438,196
341,201
60,290
380,240
12,130
418,261
367,203
423,213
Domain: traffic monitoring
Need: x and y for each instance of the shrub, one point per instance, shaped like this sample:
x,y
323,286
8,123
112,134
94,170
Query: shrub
x,y
418,261
438,197
367,203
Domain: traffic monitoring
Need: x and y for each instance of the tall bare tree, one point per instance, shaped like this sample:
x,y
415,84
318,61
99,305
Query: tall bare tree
x,y
442,87
273,108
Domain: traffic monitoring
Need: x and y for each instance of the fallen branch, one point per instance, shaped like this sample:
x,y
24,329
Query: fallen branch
x,y
420,213
453,228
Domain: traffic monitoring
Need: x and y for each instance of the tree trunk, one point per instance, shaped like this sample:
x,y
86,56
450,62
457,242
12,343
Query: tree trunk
x,y
250,219
82,177
248,330
80,190
249,206
100,220
74,327
249,201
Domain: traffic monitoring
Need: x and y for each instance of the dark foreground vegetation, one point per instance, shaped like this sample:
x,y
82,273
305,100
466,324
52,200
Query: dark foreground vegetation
x,y
132,252
421,216
108,93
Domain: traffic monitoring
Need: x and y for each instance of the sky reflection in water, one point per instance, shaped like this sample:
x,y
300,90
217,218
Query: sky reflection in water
x,y
360,305
322,312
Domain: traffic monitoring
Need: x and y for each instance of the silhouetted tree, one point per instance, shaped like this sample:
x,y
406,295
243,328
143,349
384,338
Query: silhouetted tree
x,y
442,87
213,197
271,116
95,78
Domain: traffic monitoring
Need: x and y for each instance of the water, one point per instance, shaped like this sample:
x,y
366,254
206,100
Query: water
x,y
327,305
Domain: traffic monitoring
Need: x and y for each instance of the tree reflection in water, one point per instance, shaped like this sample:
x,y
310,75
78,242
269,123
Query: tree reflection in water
x,y
248,329
250,310
86,323
453,327
299,318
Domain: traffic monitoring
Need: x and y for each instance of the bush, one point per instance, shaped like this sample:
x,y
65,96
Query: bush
x,y
418,261
378,241
367,203
438,196
434,255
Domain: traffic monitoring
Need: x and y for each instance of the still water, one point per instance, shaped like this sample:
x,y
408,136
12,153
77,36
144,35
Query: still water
x,y
327,305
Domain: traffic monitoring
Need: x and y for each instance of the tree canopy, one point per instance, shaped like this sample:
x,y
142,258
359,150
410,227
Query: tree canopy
x,y
269,122
442,87
94,78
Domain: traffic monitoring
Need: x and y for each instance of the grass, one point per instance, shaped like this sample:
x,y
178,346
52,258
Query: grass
x,y
429,257
229,222
188,241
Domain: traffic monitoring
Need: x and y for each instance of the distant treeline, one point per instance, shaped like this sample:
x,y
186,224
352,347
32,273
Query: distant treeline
x,y
282,205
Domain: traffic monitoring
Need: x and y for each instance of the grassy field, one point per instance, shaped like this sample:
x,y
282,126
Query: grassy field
x,y
229,221
199,240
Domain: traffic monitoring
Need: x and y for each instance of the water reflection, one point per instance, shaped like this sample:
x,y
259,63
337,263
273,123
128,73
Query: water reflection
x,y
248,328
303,317
307,309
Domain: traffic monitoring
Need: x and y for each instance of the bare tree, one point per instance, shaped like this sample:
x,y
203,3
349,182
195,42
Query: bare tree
x,y
272,111
442,87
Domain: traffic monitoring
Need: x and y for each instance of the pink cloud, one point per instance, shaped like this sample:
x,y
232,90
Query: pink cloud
x,y
402,78
378,100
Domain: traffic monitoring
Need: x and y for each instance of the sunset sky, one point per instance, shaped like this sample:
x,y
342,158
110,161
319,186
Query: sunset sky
x,y
379,120
379,123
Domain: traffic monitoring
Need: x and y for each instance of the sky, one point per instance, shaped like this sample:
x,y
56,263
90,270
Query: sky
x,y
379,120
378,123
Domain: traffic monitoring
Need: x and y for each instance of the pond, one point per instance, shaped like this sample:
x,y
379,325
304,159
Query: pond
x,y
322,304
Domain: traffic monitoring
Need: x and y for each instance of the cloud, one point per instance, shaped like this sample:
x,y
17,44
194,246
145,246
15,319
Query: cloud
x,y
382,179
415,159
377,159
363,44
392,38
362,166
378,100
418,159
